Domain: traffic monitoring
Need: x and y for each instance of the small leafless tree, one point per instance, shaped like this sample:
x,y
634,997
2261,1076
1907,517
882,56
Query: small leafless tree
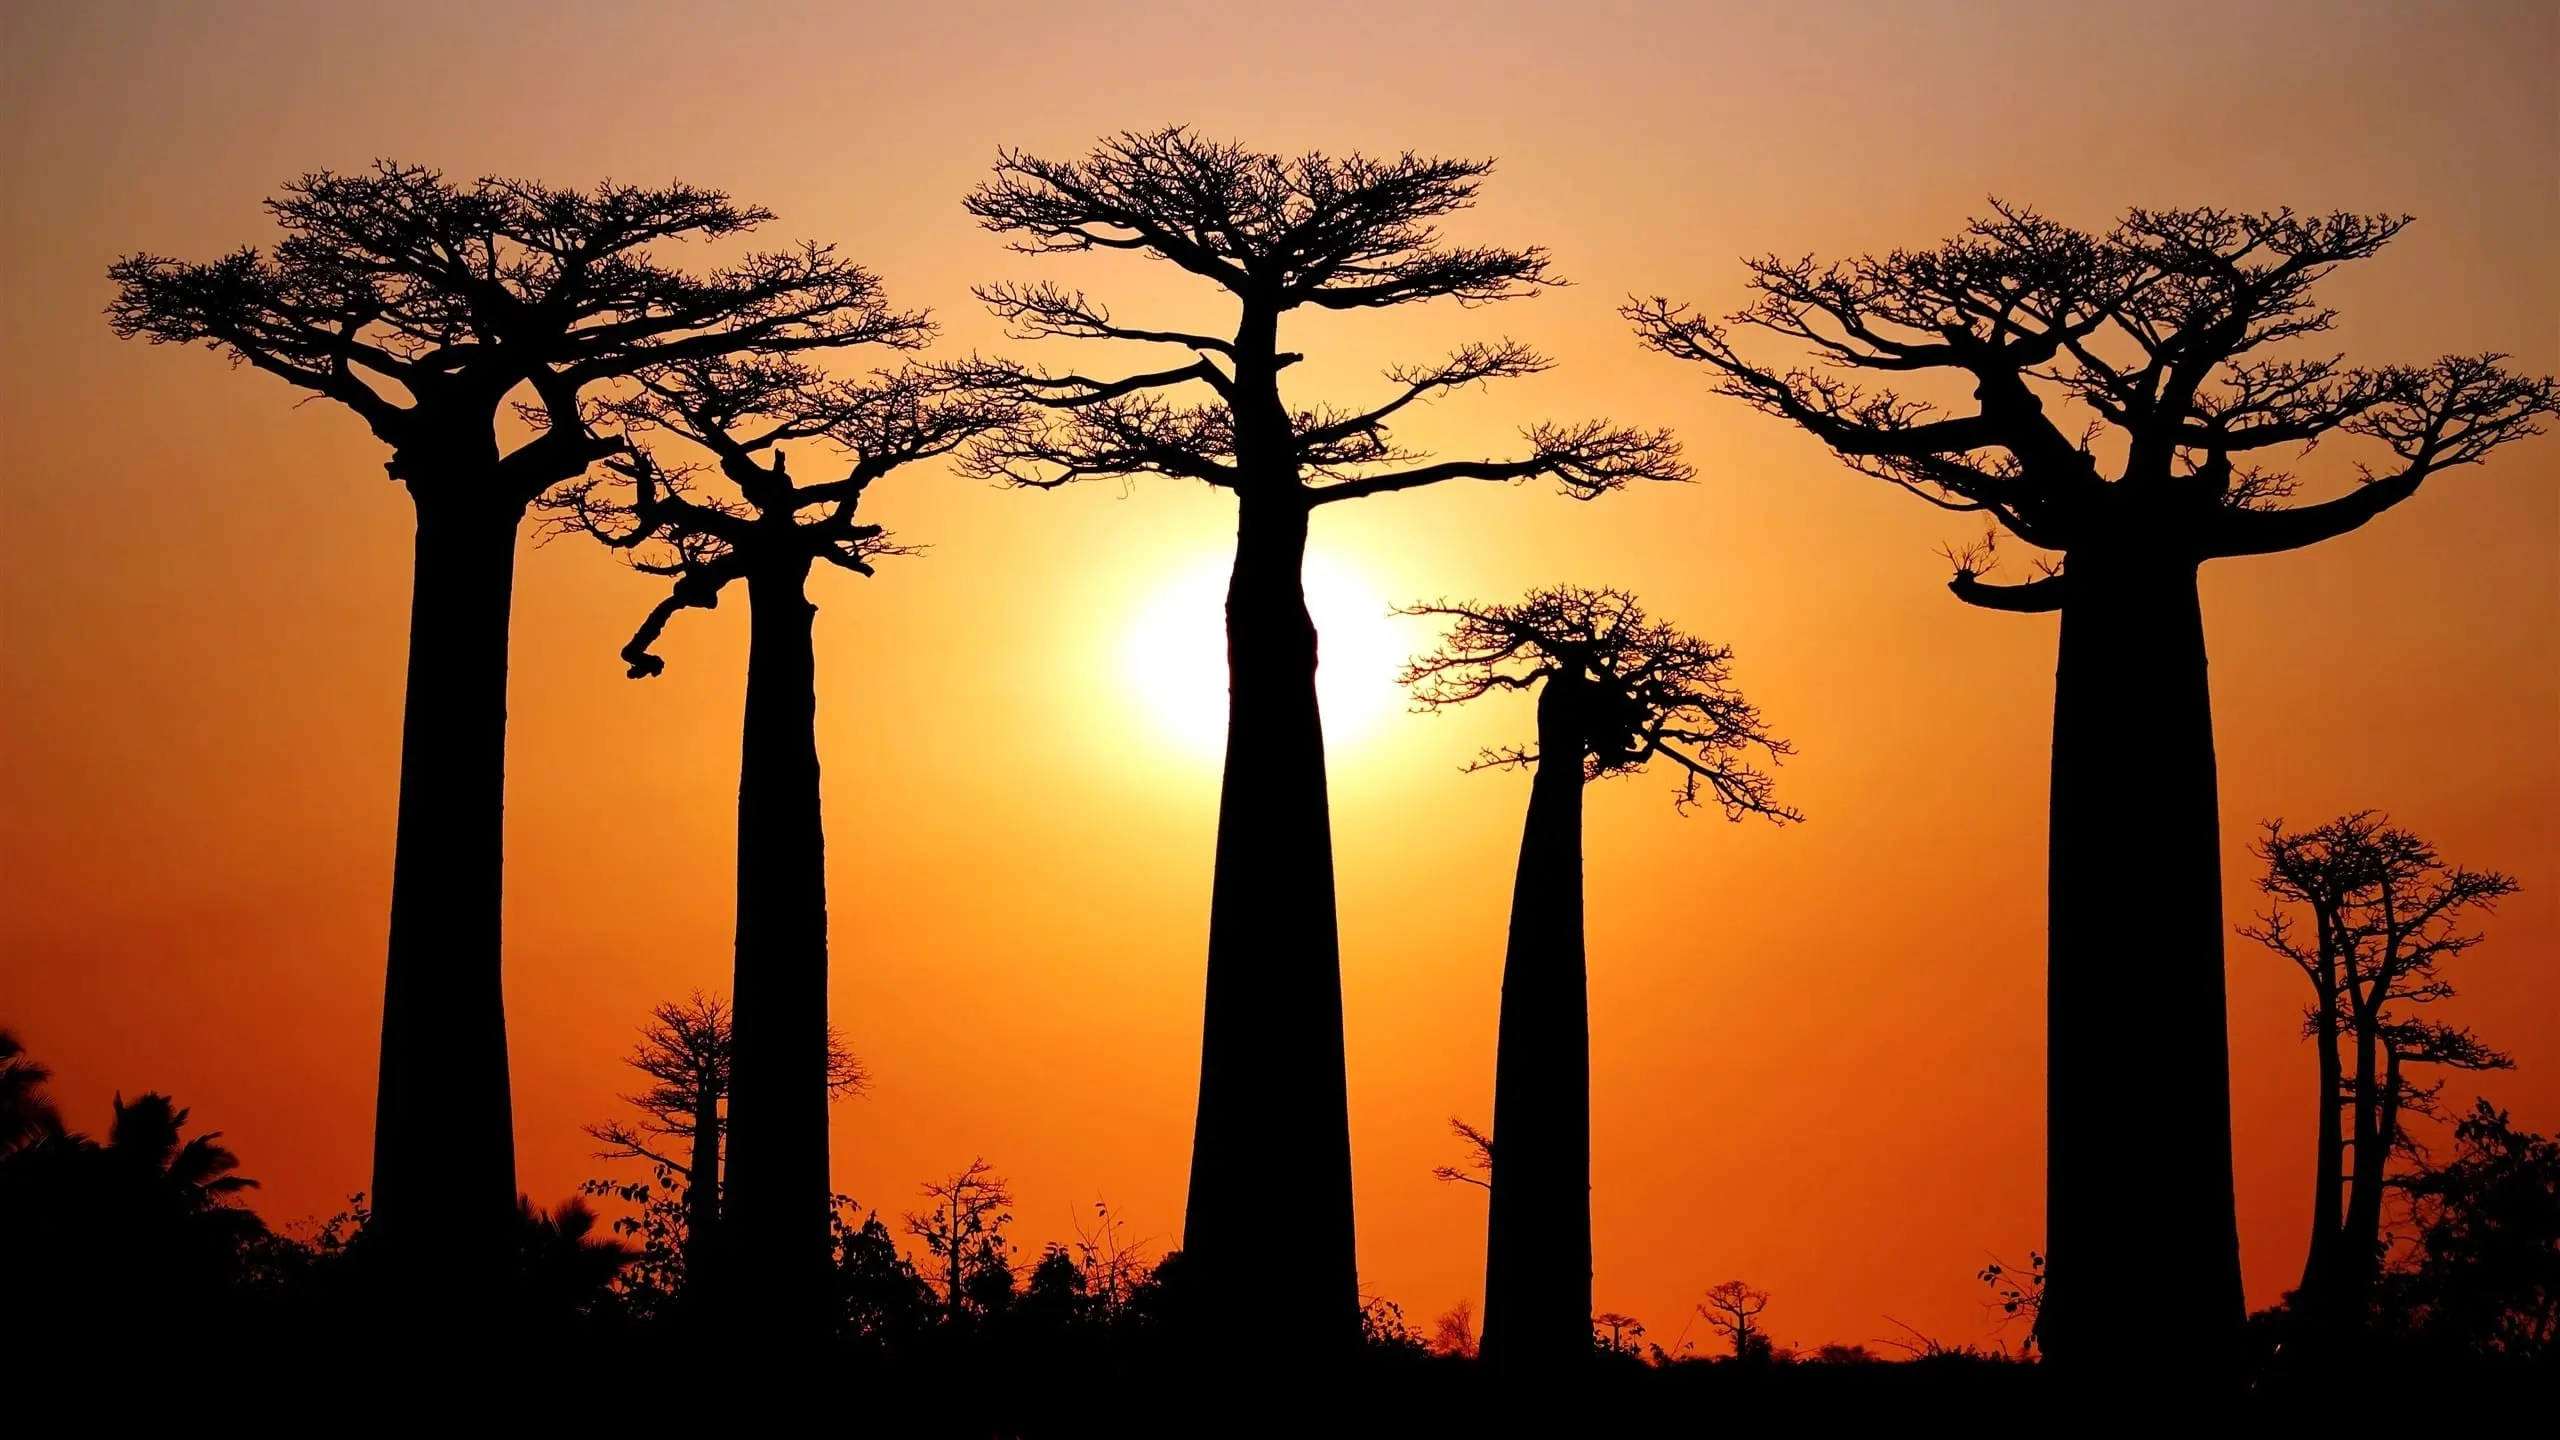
x,y
1275,235
2384,915
1453,1334
685,1051
1732,1309
1616,691
963,1229
2130,394
1113,1260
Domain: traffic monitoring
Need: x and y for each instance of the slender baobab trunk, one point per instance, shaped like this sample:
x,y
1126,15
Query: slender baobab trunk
x,y
774,1212
702,1197
1537,1273
444,1180
2319,1267
1268,1231
2377,1132
2143,1237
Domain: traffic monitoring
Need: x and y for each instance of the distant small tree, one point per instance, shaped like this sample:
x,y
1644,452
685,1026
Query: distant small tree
x,y
1615,691
1276,236
1113,1261
1617,1336
431,309
744,520
2123,392
1384,1330
963,1231
2371,915
1732,1309
1454,1333
685,1050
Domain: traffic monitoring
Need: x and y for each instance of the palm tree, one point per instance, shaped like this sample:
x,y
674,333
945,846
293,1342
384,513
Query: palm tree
x,y
567,1266
27,1114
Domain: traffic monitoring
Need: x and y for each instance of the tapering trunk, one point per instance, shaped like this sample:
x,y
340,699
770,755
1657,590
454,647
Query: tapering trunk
x,y
1267,1237
702,1197
775,1200
2360,1239
1537,1274
444,1180
2143,1240
2328,1193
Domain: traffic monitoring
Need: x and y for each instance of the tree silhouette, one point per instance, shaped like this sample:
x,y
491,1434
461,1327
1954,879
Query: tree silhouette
x,y
429,308
767,529
963,1230
2385,916
1616,691
2488,1265
685,1050
1276,235
1733,1309
2168,334
567,1267
144,1233
27,1114
1478,1171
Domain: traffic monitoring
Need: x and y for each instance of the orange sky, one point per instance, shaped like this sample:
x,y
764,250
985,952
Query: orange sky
x,y
1817,1051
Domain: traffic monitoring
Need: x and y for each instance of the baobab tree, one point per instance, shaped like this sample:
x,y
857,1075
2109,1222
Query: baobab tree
x,y
685,1050
2173,335
1732,1309
431,308
1276,235
743,517
2385,915
1616,691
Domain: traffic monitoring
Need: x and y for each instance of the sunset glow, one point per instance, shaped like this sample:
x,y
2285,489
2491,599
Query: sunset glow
x,y
1177,668
1817,1051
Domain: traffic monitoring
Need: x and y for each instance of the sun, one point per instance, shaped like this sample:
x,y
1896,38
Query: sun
x,y
1177,655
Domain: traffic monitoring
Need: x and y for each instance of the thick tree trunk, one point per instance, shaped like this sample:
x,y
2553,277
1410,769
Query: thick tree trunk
x,y
444,1178
2143,1240
775,1202
1537,1274
1267,1237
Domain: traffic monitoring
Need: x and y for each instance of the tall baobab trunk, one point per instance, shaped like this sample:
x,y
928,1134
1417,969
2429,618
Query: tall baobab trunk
x,y
1271,1150
774,1212
1537,1274
444,1184
2141,1229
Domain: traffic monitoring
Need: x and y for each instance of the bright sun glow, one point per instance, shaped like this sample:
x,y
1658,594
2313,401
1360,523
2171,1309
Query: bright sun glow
x,y
1177,655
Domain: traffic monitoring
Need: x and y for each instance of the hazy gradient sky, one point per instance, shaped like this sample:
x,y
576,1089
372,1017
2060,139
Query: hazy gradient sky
x,y
1817,1051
